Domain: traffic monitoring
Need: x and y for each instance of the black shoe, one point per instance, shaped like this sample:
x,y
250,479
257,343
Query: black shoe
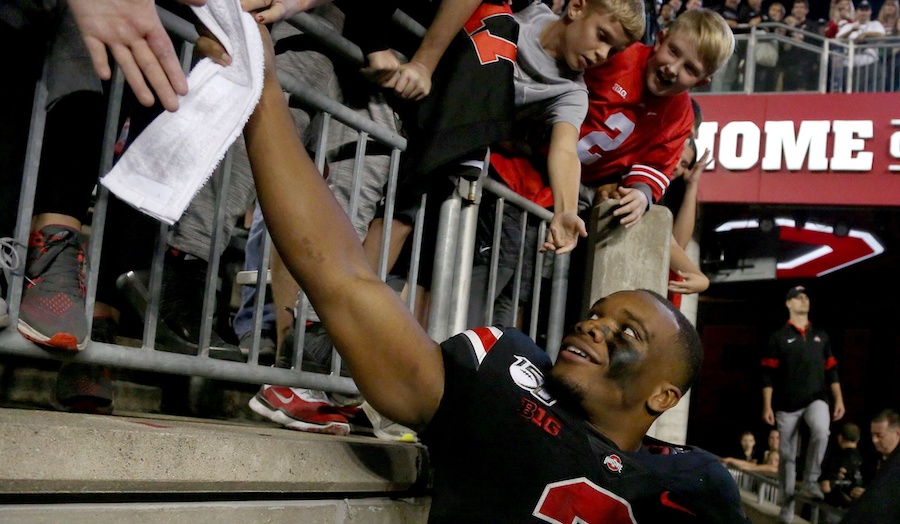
x,y
86,388
180,309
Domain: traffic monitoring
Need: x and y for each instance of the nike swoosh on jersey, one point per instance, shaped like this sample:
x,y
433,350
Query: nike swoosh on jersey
x,y
667,502
791,340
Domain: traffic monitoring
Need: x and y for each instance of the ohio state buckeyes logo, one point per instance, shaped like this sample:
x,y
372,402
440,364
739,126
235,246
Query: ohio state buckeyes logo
x,y
613,463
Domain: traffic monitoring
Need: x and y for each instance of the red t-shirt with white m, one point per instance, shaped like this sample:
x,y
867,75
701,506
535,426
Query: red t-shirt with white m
x,y
631,134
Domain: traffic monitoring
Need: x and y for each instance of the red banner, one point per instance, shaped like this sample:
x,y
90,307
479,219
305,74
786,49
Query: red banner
x,y
836,149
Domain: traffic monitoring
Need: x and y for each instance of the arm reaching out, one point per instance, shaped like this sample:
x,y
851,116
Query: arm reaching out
x,y
564,170
139,44
396,365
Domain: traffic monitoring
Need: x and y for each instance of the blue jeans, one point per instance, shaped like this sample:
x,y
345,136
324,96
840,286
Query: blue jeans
x,y
243,320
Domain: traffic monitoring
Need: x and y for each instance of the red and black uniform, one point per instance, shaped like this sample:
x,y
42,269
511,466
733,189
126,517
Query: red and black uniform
x,y
505,450
631,134
799,366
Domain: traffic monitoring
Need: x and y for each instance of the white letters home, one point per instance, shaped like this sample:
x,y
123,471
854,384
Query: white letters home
x,y
739,145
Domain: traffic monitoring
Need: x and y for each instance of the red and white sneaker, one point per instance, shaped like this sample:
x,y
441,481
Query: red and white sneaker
x,y
300,409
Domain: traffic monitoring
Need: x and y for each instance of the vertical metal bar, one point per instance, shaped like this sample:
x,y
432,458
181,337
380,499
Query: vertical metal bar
x,y
465,251
215,252
416,257
299,328
442,281
259,300
151,315
358,163
750,62
98,217
28,190
520,258
390,197
559,289
536,287
823,67
850,66
322,143
491,296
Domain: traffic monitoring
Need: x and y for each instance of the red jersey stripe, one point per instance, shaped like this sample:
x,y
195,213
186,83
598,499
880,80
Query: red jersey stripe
x,y
770,362
483,339
830,362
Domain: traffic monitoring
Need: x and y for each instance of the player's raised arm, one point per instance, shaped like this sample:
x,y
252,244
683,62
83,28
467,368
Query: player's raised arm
x,y
396,365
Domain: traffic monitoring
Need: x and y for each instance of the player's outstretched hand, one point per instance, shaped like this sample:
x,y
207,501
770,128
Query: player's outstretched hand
x,y
413,81
382,68
692,283
271,11
132,31
562,236
209,46
632,205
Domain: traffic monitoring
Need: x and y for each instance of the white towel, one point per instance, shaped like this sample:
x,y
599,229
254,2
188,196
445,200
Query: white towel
x,y
171,160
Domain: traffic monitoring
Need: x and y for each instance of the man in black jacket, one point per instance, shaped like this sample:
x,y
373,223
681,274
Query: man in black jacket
x,y
798,370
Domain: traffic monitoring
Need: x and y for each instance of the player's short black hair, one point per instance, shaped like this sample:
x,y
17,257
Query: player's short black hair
x,y
688,341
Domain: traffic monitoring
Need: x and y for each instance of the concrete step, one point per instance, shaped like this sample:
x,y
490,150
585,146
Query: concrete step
x,y
345,511
54,455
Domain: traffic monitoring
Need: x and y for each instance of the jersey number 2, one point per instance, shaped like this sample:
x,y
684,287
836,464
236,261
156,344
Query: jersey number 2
x,y
592,146
580,501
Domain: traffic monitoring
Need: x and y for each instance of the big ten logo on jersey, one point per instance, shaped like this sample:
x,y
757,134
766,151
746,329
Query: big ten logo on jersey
x,y
486,29
580,501
616,130
540,417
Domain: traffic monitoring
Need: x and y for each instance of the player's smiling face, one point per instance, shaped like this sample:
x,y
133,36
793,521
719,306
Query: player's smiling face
x,y
675,66
591,38
619,355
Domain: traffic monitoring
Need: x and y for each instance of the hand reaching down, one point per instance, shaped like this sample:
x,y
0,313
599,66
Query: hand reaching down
x,y
271,11
632,205
562,236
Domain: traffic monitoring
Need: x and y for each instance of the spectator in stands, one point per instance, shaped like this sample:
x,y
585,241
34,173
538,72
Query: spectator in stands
x,y
768,467
799,369
748,452
889,17
842,469
666,16
727,78
692,4
879,502
768,71
862,29
645,91
803,73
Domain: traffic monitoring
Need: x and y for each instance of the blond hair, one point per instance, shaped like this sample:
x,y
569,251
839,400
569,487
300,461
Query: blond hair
x,y
715,40
629,13
883,16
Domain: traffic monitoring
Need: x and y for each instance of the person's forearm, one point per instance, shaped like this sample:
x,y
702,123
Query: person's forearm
x,y
683,227
395,364
451,16
836,392
767,398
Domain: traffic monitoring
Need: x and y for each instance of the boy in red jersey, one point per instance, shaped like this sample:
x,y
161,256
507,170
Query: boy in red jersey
x,y
640,113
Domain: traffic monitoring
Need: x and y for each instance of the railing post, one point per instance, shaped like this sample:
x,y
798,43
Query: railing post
x,y
444,257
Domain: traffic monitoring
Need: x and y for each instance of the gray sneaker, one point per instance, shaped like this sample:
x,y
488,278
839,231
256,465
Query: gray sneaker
x,y
52,312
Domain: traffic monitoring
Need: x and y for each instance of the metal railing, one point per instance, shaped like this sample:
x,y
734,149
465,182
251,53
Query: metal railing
x,y
767,491
455,240
807,62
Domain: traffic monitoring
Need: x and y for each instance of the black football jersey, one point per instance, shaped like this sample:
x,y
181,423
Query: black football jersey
x,y
504,450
